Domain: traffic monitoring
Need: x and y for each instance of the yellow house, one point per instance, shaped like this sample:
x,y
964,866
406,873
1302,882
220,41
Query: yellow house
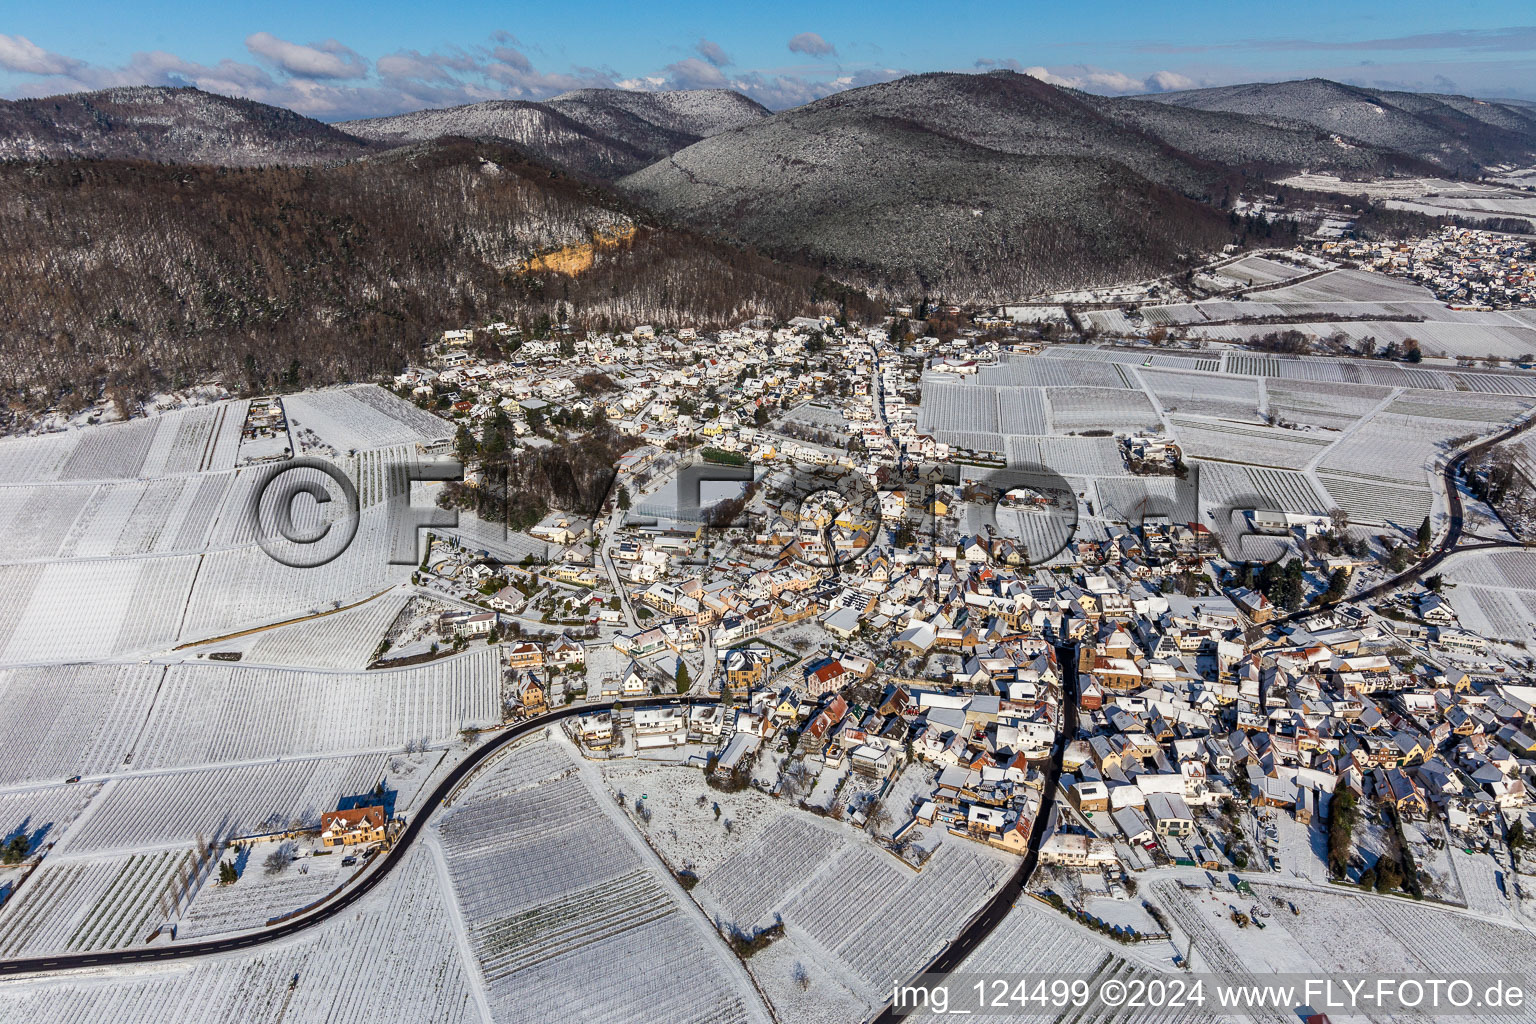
x,y
347,828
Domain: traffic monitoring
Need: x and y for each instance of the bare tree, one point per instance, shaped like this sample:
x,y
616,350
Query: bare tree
x,y
877,817
278,860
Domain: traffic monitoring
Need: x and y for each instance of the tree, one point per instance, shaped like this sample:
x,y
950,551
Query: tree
x,y
227,873
683,682
800,976
1514,838
1426,534
464,444
795,782
1342,812
16,850
877,817
1338,583
624,498
277,861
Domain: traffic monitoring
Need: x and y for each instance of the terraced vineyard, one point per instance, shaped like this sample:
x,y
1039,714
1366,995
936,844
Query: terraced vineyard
x,y
146,812
885,920
71,719
395,962
88,905
568,918
208,714
756,880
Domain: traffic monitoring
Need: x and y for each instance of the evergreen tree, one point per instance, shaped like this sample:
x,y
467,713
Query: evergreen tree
x,y
1426,534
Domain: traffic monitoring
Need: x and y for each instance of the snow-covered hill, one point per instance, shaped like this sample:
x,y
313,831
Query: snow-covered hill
x,y
605,133
168,126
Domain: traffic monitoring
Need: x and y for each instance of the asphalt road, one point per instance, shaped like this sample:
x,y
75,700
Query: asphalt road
x,y
1446,548
974,932
992,913
392,858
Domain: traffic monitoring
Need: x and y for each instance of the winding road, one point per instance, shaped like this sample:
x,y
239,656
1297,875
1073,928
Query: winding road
x,y
1446,547
391,860
974,932
992,913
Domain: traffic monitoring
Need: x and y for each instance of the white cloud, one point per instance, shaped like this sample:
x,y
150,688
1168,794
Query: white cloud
x,y
812,45
18,53
1099,80
693,73
1168,81
713,53
329,59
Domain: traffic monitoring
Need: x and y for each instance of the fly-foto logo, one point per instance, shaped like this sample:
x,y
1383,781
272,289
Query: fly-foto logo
x,y
305,512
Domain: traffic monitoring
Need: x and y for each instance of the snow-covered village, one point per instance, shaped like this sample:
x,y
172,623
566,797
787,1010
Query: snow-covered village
x,y
773,656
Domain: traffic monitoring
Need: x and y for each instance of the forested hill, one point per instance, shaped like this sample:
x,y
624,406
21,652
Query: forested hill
x,y
142,275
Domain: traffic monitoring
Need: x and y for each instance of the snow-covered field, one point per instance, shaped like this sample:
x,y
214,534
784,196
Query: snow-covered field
x,y
568,915
393,960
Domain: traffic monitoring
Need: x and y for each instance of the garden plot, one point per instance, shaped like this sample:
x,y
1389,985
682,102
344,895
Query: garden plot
x,y
1395,448
1068,456
1367,499
347,419
1196,394
143,812
1264,446
883,920
1252,270
208,713
196,440
685,833
82,610
1406,937
81,905
113,451
1318,404
393,961
814,415
256,897
35,520
760,876
1351,286
1051,372
68,720
37,459
568,918
343,640
245,587
1115,409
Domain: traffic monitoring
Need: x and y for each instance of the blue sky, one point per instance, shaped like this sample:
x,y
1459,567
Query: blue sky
x,y
340,60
